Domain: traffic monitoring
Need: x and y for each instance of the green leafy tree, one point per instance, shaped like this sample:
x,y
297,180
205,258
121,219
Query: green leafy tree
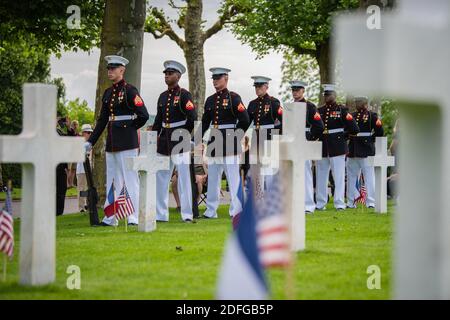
x,y
303,26
49,21
80,111
299,67
195,34
20,62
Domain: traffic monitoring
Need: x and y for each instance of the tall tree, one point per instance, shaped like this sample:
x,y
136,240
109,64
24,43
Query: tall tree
x,y
190,20
301,67
122,34
302,26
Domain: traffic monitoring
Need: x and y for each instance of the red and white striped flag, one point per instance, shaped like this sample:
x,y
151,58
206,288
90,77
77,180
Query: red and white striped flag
x,y
124,204
7,227
272,227
361,187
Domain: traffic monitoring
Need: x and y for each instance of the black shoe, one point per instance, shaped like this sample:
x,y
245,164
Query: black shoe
x,y
161,221
371,207
204,217
132,224
340,209
188,221
105,224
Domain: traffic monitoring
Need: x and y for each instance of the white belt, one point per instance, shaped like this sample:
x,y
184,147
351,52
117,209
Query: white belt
x,y
224,126
364,134
307,129
119,118
174,124
264,126
333,131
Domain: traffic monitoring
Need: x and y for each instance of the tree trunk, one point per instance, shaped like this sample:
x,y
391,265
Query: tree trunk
x,y
326,65
122,34
193,52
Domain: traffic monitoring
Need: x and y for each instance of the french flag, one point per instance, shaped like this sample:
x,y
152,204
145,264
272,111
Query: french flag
x,y
110,204
241,275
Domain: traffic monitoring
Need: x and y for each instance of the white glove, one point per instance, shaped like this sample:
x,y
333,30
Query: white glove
x,y
87,146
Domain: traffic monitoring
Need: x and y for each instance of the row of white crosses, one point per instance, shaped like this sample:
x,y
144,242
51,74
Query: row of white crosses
x,y
409,59
40,149
294,150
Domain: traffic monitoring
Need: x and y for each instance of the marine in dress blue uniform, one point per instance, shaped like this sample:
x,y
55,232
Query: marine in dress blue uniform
x,y
265,112
361,146
224,114
313,130
338,123
175,112
123,113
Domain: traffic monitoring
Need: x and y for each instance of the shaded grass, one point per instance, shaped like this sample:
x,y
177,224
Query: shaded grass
x,y
182,261
17,193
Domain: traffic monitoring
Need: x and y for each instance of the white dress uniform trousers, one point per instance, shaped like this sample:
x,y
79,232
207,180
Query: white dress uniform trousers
x,y
337,165
216,166
354,168
310,204
181,161
117,170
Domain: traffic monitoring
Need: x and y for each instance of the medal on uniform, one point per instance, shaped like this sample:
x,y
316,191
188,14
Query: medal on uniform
x,y
176,99
225,103
267,108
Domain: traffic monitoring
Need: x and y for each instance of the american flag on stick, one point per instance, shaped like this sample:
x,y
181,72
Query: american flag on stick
x,y
7,226
272,227
124,206
361,187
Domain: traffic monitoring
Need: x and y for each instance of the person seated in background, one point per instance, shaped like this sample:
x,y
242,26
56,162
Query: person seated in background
x,y
174,184
72,131
86,131
245,159
201,174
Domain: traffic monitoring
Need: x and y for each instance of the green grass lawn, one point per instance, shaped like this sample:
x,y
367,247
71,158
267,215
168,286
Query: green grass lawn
x,y
17,193
133,265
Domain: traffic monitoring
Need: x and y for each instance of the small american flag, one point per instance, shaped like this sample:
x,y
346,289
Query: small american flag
x,y
361,187
124,204
7,227
272,228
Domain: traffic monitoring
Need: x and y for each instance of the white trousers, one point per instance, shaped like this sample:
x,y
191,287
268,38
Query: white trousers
x,y
310,204
117,170
354,168
266,177
181,161
216,166
337,165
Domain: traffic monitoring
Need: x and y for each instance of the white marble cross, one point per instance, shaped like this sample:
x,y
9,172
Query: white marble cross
x,y
148,163
40,149
409,59
381,161
294,150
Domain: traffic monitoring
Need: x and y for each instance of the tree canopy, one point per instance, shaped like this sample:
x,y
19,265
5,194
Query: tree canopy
x,y
47,22
300,25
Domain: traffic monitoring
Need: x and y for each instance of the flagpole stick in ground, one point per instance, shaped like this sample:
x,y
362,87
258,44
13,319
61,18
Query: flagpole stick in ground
x,y
5,262
126,224
289,216
114,205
